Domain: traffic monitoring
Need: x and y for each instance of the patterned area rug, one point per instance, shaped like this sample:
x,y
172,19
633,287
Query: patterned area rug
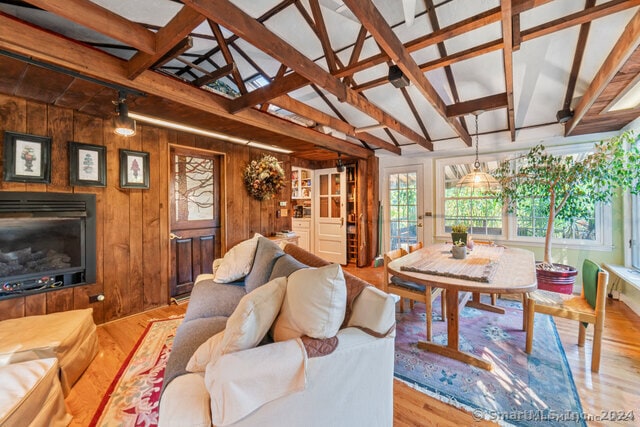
x,y
522,390
133,397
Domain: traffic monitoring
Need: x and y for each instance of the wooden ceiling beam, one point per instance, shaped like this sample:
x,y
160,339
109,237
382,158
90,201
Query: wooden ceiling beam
x,y
487,103
166,39
577,59
578,18
442,50
225,13
507,54
623,49
414,111
228,57
278,87
356,52
179,49
375,23
102,20
41,45
321,31
215,75
322,118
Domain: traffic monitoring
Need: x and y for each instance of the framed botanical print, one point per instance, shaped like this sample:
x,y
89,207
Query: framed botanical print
x,y
88,164
27,158
134,169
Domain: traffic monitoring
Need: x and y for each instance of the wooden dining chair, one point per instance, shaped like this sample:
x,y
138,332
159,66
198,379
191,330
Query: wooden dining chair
x,y
413,291
587,308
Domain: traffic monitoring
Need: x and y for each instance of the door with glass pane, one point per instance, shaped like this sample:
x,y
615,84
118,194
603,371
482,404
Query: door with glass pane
x,y
195,190
331,230
404,211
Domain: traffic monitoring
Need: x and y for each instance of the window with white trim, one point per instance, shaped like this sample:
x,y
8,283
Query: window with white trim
x,y
485,216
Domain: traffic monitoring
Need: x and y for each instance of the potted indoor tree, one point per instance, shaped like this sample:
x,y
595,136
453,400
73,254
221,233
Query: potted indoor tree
x,y
567,189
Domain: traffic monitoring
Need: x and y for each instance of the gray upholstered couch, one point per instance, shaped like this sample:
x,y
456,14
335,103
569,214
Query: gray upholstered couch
x,y
363,354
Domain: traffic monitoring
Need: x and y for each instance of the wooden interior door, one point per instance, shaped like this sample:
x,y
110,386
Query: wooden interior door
x,y
331,228
195,189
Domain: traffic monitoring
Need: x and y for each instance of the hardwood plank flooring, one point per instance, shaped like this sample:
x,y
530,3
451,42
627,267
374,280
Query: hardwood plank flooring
x,y
615,388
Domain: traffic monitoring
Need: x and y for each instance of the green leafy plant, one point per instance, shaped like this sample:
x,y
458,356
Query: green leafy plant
x,y
459,228
568,187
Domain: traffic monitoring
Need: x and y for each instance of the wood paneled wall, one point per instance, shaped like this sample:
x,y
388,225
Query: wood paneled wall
x,y
132,225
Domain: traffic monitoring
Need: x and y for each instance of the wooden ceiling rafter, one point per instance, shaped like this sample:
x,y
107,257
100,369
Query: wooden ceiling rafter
x,y
41,45
623,49
179,49
414,111
442,50
213,76
487,103
293,105
323,35
578,18
233,18
356,52
507,56
264,106
226,54
577,59
375,23
166,39
278,87
102,20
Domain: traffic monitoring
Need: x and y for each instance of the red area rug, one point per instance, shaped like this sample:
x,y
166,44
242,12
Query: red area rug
x,y
133,397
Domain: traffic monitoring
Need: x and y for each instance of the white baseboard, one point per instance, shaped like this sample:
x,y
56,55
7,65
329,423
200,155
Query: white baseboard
x,y
631,303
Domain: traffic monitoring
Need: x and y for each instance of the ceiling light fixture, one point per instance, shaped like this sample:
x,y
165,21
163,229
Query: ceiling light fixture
x,y
123,125
208,133
397,78
477,179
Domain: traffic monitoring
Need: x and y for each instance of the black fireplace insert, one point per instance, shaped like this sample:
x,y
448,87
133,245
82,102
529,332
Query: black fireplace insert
x,y
47,242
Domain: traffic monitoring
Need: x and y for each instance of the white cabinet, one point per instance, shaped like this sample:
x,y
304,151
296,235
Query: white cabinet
x,y
302,227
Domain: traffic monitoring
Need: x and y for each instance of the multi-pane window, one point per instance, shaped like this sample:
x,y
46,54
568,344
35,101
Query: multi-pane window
x,y
532,216
479,211
403,208
484,214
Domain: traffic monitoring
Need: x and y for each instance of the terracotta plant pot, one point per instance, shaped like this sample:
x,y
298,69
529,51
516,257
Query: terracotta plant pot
x,y
560,281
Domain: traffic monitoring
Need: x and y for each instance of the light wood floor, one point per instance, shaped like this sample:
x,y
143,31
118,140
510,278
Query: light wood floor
x,y
615,388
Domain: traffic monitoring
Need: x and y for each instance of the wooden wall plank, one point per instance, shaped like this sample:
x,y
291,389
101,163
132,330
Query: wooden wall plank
x,y
88,130
13,113
136,212
154,293
60,129
36,120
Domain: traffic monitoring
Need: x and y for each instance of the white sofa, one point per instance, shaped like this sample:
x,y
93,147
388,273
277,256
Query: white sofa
x,y
351,386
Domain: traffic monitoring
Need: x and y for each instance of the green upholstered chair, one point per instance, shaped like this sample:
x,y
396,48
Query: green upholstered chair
x,y
587,308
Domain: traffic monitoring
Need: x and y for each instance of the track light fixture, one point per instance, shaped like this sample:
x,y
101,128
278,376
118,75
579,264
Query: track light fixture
x,y
123,125
339,164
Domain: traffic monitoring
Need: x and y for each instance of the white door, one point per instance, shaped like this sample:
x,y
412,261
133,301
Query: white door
x,y
330,202
404,220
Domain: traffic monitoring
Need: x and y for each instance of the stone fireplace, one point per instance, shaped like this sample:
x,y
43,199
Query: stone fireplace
x,y
47,242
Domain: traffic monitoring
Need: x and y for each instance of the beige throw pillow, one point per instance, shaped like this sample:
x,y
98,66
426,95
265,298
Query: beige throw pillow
x,y
237,262
314,304
246,326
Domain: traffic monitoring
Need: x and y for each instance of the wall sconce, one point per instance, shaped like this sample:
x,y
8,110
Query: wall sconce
x,y
123,125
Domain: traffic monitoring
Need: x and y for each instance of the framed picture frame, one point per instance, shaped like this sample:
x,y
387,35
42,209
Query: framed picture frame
x,y
134,169
87,164
27,158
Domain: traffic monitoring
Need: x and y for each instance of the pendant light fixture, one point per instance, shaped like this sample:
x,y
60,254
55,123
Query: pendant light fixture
x,y
477,179
123,125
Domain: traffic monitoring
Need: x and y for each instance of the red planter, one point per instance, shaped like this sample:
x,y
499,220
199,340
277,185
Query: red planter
x,y
557,281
